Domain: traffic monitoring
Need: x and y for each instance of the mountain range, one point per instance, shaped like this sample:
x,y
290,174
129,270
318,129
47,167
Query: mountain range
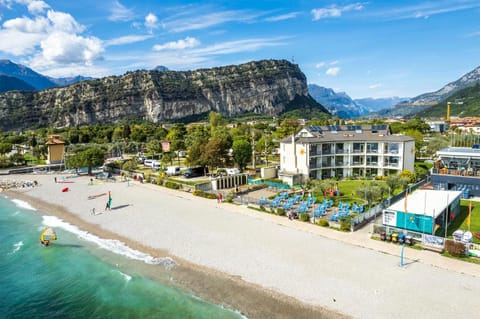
x,y
343,106
20,77
432,104
267,87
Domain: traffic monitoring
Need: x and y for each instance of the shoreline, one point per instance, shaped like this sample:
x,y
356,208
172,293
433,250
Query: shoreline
x,y
210,285
262,265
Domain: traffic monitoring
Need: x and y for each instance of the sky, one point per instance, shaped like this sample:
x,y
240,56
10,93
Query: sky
x,y
366,49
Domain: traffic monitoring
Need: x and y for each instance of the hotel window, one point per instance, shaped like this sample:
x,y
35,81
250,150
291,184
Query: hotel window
x,y
358,147
372,147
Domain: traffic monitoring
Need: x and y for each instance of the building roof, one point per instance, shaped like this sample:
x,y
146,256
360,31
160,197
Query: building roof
x,y
54,140
345,133
426,202
459,152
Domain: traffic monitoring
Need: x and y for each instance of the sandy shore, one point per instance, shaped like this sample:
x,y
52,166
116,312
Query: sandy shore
x,y
235,256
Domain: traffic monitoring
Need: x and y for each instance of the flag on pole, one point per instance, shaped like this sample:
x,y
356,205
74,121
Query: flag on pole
x,y
469,214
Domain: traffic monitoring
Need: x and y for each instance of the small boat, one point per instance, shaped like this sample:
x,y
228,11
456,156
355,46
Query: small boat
x,y
48,235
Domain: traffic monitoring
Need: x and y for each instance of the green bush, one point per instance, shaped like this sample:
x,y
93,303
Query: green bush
x,y
455,248
345,223
172,185
229,199
304,217
204,194
323,222
281,211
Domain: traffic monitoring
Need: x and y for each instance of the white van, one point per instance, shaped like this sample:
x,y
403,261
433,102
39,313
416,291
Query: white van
x,y
156,165
172,170
232,171
148,163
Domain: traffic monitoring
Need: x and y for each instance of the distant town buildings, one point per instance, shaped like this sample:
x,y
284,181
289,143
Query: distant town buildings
x,y
322,152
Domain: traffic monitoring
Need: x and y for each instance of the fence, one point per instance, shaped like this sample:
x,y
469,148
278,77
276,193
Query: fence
x,y
366,217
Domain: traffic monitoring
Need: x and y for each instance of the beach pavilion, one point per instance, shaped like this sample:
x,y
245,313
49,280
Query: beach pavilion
x,y
423,211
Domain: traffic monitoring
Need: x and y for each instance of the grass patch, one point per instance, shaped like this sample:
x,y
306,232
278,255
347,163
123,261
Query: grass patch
x,y
473,260
460,221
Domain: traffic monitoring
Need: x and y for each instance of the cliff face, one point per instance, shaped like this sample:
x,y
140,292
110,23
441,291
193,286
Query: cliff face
x,y
264,87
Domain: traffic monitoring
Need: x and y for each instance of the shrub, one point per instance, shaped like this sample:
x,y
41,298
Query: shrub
x,y
345,223
323,222
172,185
455,248
204,194
280,211
304,217
229,199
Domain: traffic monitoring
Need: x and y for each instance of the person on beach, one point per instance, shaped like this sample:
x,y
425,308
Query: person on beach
x,y
55,179
107,205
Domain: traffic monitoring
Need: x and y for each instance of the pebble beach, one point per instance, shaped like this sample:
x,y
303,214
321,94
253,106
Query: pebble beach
x,y
263,265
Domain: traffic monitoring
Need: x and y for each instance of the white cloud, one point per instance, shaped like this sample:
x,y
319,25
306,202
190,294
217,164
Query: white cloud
x,y
151,21
62,21
208,20
186,43
320,65
205,56
333,71
334,11
120,13
53,39
127,39
375,86
37,7
334,62
65,48
286,16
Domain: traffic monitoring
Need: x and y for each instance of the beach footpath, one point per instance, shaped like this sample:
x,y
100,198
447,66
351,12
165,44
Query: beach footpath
x,y
302,271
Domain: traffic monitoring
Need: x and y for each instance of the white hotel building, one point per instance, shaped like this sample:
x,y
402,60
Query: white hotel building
x,y
321,152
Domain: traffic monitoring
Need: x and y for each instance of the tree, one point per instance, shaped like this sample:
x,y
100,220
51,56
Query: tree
x,y
130,165
215,152
418,136
368,192
409,176
393,182
287,127
90,158
242,153
436,143
176,136
5,148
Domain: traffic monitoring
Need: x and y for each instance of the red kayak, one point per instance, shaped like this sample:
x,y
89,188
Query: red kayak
x,y
65,189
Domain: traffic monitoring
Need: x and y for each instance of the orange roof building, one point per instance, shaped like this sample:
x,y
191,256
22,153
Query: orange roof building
x,y
56,150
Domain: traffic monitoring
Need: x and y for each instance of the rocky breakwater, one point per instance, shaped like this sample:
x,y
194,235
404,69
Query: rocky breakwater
x,y
263,87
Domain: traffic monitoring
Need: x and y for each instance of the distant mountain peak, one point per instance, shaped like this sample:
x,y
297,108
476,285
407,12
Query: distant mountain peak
x,y
161,68
427,99
25,74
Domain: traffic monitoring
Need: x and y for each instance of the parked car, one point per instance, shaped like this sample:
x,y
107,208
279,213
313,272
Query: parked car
x,y
195,172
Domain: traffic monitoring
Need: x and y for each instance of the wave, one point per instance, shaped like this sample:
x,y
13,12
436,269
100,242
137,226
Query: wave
x,y
17,247
124,275
112,245
23,204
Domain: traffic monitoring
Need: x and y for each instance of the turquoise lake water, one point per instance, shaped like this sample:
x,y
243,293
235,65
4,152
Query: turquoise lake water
x,y
82,276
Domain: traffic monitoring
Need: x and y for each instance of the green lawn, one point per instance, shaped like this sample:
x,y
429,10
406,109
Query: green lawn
x,y
460,221
348,191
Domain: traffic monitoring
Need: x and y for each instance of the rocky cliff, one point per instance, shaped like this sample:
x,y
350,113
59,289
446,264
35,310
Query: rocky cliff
x,y
264,87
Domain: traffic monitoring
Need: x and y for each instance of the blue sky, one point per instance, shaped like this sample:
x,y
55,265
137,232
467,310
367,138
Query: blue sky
x,y
367,49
